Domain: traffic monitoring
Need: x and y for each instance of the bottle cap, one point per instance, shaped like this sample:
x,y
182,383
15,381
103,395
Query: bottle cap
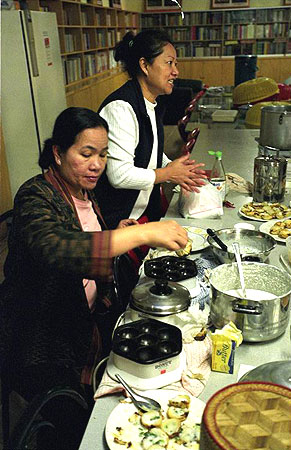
x,y
217,153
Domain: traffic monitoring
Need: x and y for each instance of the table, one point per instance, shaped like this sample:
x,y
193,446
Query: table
x,y
239,150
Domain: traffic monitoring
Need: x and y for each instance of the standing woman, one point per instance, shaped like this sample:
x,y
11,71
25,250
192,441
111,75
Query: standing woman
x,y
55,301
136,162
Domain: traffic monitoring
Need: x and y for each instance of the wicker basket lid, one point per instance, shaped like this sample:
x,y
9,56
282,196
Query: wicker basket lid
x,y
250,415
254,90
253,115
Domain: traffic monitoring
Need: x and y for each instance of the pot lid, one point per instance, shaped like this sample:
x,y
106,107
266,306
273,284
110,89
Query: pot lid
x,y
278,372
160,297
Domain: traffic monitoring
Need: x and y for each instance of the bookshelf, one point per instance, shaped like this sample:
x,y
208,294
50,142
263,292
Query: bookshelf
x,y
88,33
217,33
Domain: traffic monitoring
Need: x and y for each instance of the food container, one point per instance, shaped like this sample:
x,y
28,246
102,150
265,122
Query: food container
x,y
145,347
247,416
288,245
275,128
272,372
253,115
253,91
160,297
254,245
263,314
269,178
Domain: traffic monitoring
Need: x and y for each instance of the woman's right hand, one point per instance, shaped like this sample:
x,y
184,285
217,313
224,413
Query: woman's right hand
x,y
183,171
167,234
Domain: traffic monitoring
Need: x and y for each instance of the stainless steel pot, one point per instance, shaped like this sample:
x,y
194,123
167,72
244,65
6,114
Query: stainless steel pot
x,y
160,297
254,245
261,319
278,372
275,128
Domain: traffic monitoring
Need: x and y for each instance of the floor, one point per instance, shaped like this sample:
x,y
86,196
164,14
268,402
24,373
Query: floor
x,y
173,144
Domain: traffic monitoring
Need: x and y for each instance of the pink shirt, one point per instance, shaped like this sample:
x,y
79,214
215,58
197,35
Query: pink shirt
x,y
89,222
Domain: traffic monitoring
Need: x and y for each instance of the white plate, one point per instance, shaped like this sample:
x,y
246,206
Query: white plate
x,y
265,228
198,237
123,411
259,220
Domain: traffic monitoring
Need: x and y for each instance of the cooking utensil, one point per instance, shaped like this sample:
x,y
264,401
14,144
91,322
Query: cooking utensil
x,y
143,403
275,128
278,372
264,313
269,177
236,249
217,239
160,297
254,245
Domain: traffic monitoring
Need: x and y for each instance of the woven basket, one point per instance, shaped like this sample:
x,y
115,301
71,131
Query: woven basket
x,y
254,90
250,415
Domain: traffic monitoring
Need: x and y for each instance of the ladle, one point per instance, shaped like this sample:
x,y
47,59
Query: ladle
x,y
143,403
217,239
236,250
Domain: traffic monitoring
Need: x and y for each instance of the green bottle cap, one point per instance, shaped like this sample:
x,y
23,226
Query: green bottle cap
x,y
217,153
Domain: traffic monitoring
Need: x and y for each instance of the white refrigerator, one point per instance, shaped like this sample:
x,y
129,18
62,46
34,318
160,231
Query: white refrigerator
x,y
32,88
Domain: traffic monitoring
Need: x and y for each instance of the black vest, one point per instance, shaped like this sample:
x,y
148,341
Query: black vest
x,y
117,204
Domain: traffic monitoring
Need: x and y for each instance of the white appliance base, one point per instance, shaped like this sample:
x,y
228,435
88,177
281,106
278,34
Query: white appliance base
x,y
145,384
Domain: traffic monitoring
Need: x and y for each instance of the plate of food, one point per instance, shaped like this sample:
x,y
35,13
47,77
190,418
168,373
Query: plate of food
x,y
265,211
177,425
198,237
278,229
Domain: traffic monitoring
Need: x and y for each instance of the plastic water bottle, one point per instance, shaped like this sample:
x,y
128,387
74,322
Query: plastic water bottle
x,y
217,175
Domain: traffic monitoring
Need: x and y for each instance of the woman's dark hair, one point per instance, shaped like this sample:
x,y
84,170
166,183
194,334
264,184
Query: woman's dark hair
x,y
68,125
147,44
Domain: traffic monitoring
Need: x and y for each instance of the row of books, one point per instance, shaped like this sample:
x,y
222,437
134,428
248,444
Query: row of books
x,y
204,33
271,30
270,48
71,42
239,31
72,69
95,63
209,50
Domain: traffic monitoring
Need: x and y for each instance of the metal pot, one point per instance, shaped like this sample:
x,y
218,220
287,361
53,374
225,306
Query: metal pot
x,y
278,372
254,245
264,314
276,127
160,298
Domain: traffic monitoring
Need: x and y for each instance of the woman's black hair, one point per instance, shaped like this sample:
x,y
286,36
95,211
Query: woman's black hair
x,y
68,125
147,44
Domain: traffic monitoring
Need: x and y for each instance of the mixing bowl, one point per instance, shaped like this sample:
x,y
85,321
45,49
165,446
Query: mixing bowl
x,y
254,245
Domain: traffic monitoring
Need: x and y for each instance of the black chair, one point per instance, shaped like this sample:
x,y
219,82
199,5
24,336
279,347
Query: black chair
x,y
33,424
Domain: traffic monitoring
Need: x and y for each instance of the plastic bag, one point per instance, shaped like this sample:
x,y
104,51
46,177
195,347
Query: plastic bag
x,y
205,204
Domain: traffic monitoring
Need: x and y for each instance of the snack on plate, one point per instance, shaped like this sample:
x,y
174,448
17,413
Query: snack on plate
x,y
265,210
160,430
282,228
186,250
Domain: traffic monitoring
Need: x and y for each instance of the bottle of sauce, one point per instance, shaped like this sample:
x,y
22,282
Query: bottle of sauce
x,y
217,174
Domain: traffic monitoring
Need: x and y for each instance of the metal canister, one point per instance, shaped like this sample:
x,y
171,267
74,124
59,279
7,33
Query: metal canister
x,y
269,178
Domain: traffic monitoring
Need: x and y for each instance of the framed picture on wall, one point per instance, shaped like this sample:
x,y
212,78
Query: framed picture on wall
x,y
162,5
287,2
230,3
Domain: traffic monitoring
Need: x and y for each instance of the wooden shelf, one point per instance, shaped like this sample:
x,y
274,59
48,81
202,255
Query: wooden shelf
x,y
88,34
256,31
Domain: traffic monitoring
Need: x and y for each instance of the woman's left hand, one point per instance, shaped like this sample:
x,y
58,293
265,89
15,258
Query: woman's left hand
x,y
127,222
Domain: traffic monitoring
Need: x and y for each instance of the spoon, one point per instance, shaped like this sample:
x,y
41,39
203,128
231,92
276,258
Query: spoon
x,y
143,403
236,250
217,239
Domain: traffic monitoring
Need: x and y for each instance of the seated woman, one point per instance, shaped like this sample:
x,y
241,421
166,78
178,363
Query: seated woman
x,y
56,303
137,164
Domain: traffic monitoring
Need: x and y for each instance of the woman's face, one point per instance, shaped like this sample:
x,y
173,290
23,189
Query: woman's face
x,y
83,163
162,72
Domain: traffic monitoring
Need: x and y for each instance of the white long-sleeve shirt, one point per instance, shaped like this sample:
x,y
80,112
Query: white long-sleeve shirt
x,y
123,140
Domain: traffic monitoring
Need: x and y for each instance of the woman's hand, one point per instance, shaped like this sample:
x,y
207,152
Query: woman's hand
x,y
167,233
126,223
183,171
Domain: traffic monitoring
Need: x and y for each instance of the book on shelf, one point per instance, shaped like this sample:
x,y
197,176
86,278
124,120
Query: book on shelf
x,y
86,40
73,69
90,65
